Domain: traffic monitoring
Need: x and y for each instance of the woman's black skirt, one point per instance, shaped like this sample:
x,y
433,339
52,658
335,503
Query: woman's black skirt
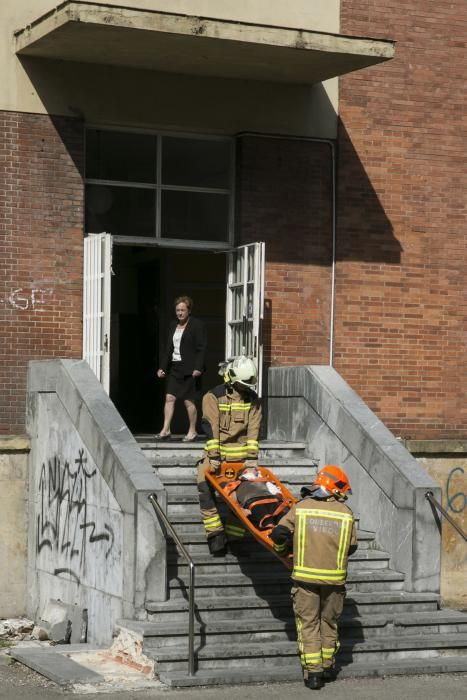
x,y
182,386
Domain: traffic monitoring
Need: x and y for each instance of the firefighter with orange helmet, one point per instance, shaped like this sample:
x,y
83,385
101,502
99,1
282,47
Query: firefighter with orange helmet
x,y
231,421
321,529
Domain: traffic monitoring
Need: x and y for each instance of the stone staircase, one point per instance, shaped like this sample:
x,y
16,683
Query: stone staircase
x,y
244,625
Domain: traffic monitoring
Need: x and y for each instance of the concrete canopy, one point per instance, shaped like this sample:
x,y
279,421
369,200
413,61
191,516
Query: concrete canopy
x,y
108,34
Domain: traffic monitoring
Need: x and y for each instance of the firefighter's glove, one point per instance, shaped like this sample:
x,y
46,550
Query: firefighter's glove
x,y
253,463
214,465
281,535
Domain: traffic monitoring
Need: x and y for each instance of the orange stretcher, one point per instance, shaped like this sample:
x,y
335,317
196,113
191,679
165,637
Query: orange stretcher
x,y
223,482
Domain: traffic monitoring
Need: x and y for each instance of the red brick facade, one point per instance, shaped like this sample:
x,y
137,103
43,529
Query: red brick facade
x,y
41,246
401,274
285,194
401,297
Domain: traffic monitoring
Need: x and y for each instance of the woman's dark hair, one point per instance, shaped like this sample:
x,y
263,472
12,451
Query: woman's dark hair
x,y
185,300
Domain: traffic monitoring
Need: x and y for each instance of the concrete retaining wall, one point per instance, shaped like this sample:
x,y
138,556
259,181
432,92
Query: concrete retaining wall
x,y
13,525
314,404
93,538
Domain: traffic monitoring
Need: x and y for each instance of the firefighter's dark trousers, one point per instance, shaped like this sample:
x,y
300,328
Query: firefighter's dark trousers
x,y
212,522
317,609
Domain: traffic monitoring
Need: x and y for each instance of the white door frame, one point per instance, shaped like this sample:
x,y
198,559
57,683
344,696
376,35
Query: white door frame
x,y
96,305
245,304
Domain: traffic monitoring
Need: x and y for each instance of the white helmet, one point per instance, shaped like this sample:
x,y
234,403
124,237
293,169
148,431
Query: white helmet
x,y
242,371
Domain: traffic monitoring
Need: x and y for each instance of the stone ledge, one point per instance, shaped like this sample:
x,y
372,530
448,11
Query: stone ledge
x,y
15,443
441,447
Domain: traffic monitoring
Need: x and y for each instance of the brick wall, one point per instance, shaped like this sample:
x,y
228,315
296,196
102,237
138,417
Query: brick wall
x,y
401,297
41,243
284,194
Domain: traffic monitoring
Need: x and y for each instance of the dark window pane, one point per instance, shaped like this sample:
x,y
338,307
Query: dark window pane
x,y
112,155
195,215
121,211
195,162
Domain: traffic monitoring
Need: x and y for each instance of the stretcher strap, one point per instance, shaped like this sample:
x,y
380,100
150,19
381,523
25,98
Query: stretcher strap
x,y
270,516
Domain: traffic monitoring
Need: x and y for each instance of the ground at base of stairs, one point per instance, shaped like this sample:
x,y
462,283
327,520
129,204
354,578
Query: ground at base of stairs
x,y
124,681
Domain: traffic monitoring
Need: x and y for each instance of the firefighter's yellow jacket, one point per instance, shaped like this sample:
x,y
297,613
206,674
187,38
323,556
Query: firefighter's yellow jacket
x,y
323,532
231,421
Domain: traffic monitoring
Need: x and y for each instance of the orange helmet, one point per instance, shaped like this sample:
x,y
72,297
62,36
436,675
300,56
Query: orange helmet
x,y
330,481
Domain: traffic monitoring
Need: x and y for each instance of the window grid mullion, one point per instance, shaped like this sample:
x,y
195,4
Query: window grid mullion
x,y
158,189
158,186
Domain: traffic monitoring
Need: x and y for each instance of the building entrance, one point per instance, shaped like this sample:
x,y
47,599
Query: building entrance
x,y
145,283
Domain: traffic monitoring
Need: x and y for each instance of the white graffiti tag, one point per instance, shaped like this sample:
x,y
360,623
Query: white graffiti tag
x,y
23,298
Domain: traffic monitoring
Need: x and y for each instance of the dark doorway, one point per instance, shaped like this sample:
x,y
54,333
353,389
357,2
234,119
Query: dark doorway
x,y
145,283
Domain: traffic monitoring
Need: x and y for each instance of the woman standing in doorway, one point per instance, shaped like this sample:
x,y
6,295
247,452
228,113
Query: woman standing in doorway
x,y
183,364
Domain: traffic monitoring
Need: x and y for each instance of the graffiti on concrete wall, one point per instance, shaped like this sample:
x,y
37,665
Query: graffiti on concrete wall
x,y
456,503
27,298
65,525
456,499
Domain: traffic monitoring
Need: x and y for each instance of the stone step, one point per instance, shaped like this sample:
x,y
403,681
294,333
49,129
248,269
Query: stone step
x,y
181,515
238,583
286,467
246,629
279,607
292,672
174,481
293,471
191,515
189,528
197,546
443,621
273,654
204,563
176,452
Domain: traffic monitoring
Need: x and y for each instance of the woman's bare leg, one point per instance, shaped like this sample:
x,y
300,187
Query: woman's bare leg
x,y
169,407
192,417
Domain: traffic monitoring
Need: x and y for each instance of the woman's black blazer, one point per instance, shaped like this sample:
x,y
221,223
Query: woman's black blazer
x,y
192,347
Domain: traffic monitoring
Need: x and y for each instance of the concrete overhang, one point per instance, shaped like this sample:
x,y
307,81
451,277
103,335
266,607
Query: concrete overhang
x,y
108,34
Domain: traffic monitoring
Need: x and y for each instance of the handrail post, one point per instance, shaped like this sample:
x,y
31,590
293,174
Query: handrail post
x,y
191,622
430,497
191,594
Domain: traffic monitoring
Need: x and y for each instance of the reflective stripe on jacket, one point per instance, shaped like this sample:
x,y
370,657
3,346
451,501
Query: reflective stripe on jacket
x,y
231,422
323,532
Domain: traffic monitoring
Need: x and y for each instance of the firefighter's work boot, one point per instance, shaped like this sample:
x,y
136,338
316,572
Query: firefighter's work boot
x,y
329,674
314,681
217,545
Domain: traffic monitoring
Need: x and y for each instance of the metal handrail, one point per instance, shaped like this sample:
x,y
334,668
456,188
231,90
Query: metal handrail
x,y
429,496
191,599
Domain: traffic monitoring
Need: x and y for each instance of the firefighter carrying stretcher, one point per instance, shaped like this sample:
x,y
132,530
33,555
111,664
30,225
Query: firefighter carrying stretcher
x,y
323,531
231,421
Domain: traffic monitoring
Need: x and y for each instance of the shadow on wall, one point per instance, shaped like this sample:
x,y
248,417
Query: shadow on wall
x,y
364,231
285,192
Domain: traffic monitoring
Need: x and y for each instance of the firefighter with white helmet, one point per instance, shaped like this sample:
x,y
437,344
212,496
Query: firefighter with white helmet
x,y
231,421
323,531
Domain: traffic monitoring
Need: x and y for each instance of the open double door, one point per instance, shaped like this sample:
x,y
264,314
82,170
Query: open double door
x,y
243,314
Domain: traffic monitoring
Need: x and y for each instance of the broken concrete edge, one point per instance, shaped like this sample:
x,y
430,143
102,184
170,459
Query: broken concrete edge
x,y
128,645
68,665
63,623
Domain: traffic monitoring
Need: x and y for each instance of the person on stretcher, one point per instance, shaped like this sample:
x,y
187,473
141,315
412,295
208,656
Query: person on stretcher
x,y
261,500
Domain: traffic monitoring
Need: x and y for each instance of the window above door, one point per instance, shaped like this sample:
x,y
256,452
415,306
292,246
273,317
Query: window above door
x,y
160,187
